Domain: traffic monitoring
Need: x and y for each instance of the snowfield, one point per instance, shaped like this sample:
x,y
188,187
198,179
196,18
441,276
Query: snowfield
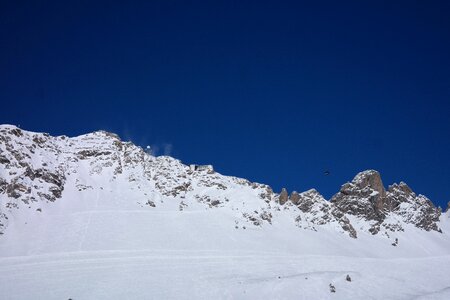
x,y
220,275
92,217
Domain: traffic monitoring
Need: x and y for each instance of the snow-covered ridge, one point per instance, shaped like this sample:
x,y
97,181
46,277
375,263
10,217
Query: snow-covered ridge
x,y
94,217
38,170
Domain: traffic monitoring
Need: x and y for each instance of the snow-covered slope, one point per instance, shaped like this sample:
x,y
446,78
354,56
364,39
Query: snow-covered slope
x,y
95,217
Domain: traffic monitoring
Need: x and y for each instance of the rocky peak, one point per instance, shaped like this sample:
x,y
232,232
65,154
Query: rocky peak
x,y
308,199
107,134
399,193
364,196
370,179
401,187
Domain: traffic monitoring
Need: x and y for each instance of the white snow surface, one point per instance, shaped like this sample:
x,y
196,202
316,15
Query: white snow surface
x,y
123,229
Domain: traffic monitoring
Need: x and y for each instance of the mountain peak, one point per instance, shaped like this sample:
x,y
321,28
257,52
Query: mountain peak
x,y
366,198
370,179
107,134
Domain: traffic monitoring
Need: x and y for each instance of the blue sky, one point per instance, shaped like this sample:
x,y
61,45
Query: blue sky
x,y
276,92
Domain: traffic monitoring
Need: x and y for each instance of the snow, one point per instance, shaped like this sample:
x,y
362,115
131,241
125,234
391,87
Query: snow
x,y
101,239
219,275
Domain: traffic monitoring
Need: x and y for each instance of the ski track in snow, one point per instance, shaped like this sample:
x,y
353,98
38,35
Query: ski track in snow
x,y
441,294
83,237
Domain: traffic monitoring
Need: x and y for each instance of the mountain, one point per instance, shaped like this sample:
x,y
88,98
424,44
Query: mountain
x,y
97,213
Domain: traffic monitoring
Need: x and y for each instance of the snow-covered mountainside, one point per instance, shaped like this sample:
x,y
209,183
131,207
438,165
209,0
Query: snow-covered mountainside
x,y
81,208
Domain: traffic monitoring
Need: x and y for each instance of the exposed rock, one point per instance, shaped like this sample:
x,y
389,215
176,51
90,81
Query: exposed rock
x,y
294,197
308,199
283,197
365,196
3,222
4,160
266,216
399,193
395,243
84,154
267,193
318,211
182,206
258,218
344,222
3,185
56,191
17,132
215,203
15,190
417,210
150,203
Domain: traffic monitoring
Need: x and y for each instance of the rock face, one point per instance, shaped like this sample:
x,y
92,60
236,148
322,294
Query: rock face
x,y
363,196
294,197
37,169
283,197
414,209
317,211
366,198
310,200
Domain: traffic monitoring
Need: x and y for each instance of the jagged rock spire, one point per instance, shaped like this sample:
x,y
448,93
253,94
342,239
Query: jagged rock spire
x,y
283,198
294,197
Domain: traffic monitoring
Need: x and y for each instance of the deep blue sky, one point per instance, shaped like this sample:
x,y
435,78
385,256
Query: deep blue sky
x,y
276,92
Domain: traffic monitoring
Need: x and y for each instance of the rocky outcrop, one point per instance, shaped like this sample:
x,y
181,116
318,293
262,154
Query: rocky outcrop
x,y
366,198
310,199
317,211
283,197
294,197
414,209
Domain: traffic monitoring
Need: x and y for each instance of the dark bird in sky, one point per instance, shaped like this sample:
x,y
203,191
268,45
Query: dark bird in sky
x,y
326,173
